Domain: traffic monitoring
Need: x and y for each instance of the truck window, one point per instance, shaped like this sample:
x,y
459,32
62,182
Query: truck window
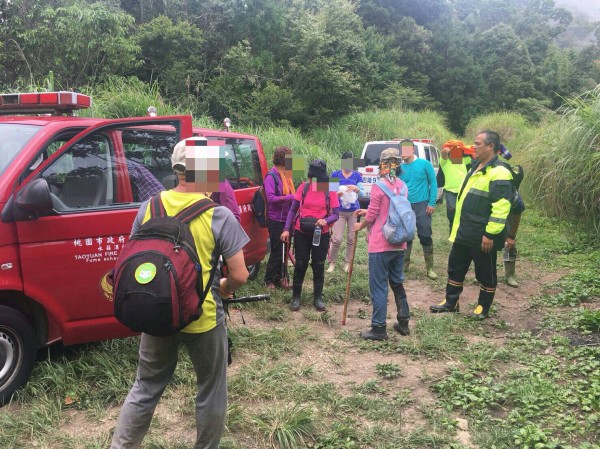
x,y
12,140
374,150
427,154
148,159
48,150
242,167
84,176
434,157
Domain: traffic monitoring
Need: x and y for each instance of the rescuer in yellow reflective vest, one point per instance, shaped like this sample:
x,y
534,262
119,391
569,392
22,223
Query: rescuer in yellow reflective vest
x,y
479,227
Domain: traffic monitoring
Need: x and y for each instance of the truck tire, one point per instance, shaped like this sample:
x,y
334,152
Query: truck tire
x,y
253,271
17,351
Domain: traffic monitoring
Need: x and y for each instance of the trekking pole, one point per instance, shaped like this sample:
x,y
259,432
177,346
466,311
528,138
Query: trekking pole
x,y
351,263
285,276
244,299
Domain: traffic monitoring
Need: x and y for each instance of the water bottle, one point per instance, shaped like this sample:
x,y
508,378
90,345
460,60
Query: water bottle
x,y
317,236
505,254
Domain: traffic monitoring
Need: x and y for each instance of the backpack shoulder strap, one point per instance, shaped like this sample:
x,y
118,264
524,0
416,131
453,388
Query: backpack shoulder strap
x,y
404,188
270,173
195,210
157,209
384,188
187,215
304,192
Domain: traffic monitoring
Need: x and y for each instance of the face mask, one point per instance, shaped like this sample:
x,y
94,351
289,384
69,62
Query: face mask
x,y
389,169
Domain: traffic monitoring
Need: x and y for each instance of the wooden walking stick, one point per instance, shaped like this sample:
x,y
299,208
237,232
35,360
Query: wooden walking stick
x,y
351,263
285,276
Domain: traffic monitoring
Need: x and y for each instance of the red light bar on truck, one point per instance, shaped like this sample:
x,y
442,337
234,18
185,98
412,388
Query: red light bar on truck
x,y
54,103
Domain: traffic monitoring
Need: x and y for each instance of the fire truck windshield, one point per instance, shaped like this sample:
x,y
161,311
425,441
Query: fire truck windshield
x,y
13,138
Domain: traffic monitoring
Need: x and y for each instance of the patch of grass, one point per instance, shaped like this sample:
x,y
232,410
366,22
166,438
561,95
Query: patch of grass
x,y
573,289
273,342
371,386
589,320
555,391
286,427
320,317
484,356
388,370
261,379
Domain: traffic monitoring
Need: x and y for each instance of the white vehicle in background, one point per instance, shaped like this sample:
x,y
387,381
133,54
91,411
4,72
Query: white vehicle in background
x,y
424,149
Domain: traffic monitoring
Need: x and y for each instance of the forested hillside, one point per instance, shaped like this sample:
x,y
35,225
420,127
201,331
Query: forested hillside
x,y
304,62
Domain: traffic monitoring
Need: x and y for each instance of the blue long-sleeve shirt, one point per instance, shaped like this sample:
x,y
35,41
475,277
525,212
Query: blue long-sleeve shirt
x,y
419,177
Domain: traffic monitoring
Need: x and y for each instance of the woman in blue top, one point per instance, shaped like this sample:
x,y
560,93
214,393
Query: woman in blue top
x,y
350,189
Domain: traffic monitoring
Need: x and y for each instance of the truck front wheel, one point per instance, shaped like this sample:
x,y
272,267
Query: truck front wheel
x,y
17,351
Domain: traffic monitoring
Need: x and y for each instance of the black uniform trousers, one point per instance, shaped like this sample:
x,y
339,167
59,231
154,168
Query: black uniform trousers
x,y
459,262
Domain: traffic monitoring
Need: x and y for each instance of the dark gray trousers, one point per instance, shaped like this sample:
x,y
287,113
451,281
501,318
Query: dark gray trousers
x,y
157,362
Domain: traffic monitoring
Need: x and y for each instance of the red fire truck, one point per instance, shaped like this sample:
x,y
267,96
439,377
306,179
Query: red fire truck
x,y
69,190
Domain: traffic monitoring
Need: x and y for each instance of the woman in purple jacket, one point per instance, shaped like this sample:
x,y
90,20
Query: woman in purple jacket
x,y
279,190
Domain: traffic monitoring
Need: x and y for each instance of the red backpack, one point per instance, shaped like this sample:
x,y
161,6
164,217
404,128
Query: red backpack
x,y
158,277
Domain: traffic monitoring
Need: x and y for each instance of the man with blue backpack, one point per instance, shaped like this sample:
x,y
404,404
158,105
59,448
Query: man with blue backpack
x,y
391,223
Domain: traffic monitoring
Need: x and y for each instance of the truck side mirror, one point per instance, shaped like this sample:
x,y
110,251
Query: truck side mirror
x,y
34,199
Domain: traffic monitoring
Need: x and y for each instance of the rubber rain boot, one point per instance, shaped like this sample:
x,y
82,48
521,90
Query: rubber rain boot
x,y
428,254
403,313
318,281
407,253
482,309
509,272
377,333
444,306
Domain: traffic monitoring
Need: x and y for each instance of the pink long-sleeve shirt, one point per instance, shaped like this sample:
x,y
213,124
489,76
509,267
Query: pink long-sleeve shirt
x,y
377,215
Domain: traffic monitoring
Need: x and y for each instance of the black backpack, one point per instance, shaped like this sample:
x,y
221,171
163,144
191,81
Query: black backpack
x,y
158,286
516,172
260,205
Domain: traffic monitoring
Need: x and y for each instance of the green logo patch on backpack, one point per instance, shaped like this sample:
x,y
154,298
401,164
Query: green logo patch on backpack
x,y
145,273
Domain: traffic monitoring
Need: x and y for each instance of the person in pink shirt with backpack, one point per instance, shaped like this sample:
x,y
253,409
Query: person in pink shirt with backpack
x,y
386,260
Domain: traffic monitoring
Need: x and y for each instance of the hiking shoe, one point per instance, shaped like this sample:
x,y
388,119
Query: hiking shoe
x,y
295,304
444,307
376,333
319,304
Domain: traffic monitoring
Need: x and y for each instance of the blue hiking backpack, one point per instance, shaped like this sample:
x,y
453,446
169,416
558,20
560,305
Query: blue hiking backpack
x,y
401,221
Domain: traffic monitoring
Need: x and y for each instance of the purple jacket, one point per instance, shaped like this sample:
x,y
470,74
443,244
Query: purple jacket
x,y
227,198
279,205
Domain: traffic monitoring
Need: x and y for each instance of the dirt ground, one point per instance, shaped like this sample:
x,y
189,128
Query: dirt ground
x,y
349,368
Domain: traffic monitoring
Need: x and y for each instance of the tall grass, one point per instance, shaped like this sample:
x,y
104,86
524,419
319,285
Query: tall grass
x,y
514,129
565,157
129,97
351,132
